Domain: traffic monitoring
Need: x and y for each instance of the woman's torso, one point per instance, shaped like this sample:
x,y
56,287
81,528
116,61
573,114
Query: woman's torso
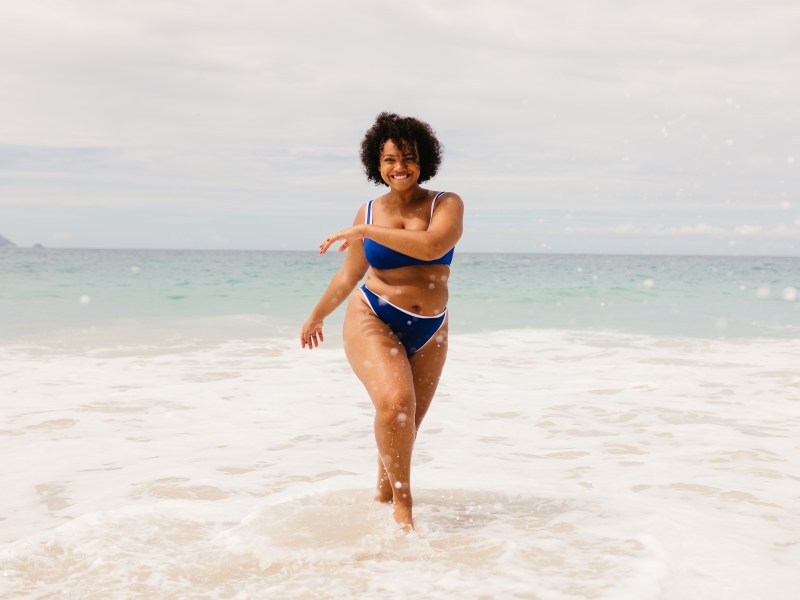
x,y
418,288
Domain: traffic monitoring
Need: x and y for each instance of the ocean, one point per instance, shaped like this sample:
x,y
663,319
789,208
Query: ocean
x,y
48,290
621,427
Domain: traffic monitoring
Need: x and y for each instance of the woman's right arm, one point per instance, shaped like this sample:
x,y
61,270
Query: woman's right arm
x,y
343,283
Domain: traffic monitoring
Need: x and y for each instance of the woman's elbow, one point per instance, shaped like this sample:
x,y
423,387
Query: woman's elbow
x,y
435,252
349,278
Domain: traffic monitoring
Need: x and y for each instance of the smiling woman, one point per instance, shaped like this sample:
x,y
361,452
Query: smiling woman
x,y
395,330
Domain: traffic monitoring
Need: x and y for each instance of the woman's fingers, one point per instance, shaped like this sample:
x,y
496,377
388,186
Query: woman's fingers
x,y
339,235
351,233
311,339
316,337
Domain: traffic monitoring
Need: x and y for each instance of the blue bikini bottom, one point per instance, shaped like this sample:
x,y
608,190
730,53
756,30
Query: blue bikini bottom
x,y
413,331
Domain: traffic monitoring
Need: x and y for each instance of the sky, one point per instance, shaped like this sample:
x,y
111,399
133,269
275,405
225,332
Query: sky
x,y
604,126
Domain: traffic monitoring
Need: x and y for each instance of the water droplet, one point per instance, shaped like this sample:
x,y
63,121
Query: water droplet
x,y
84,299
439,339
402,417
394,351
762,292
789,294
135,269
398,484
648,283
431,286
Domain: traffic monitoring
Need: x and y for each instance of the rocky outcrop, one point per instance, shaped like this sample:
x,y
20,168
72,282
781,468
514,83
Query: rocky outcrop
x,y
4,243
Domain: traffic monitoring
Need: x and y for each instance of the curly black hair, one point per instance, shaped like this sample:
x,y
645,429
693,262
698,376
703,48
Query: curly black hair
x,y
405,132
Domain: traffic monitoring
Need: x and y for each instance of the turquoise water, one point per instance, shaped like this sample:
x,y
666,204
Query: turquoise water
x,y
44,290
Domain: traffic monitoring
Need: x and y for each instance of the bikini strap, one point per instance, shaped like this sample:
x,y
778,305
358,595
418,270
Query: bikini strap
x,y
369,212
433,204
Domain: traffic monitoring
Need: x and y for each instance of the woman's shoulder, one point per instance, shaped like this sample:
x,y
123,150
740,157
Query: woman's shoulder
x,y
448,199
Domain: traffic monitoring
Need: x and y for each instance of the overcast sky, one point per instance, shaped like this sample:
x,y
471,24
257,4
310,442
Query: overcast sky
x,y
583,126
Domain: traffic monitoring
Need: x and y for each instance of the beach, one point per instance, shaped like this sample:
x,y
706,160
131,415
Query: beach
x,y
208,456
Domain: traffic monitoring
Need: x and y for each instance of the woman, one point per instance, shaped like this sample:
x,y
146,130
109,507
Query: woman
x,y
395,328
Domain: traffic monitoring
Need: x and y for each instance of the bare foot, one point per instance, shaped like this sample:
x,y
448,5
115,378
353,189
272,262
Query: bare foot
x,y
402,515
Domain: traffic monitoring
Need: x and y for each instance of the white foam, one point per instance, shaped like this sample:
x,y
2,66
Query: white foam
x,y
551,465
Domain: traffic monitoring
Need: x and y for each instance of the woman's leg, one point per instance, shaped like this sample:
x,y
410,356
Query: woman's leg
x,y
379,361
426,367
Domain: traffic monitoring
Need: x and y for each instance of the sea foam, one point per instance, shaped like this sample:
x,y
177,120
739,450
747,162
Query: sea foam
x,y
552,464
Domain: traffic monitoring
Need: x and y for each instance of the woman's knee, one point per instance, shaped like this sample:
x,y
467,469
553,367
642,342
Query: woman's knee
x,y
395,407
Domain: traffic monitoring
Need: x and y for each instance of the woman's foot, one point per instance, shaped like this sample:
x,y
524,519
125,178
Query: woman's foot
x,y
402,515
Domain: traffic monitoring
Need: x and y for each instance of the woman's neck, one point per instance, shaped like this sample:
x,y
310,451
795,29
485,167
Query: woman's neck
x,y
407,197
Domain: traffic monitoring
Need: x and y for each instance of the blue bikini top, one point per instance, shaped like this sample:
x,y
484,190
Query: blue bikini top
x,y
382,257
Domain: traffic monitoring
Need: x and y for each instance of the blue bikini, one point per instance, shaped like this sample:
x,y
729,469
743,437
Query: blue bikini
x,y
413,331
382,257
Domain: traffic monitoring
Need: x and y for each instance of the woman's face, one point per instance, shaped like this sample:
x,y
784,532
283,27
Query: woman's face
x,y
399,166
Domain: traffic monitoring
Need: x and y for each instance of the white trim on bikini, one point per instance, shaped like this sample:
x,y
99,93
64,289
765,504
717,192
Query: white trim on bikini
x,y
433,205
382,299
433,335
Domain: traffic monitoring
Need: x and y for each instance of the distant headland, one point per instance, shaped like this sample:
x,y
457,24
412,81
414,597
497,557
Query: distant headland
x,y
6,243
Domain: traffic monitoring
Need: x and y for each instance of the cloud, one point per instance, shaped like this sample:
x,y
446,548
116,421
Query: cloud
x,y
251,106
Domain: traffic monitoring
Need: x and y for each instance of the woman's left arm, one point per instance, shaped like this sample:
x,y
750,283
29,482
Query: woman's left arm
x,y
442,234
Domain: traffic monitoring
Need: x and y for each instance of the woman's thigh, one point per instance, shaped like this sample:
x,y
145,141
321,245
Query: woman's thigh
x,y
426,368
376,355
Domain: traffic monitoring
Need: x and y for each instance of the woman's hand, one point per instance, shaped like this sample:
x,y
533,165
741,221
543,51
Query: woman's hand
x,y
351,233
311,334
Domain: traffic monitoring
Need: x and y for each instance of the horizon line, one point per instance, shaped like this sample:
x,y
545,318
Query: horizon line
x,y
463,252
